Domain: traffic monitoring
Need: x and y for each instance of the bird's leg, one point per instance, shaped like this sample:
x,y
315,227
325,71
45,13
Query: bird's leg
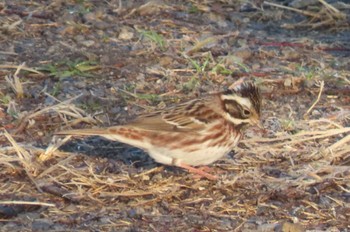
x,y
205,168
197,171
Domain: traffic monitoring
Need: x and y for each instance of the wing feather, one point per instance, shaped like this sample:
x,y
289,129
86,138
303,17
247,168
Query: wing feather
x,y
189,117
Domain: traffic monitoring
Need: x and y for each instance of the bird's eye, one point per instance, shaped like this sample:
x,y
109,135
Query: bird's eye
x,y
246,113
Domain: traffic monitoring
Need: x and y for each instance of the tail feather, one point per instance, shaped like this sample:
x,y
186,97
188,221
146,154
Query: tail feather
x,y
116,133
92,131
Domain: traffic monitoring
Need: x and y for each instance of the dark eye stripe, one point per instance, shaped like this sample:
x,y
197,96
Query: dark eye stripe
x,y
235,109
233,103
232,107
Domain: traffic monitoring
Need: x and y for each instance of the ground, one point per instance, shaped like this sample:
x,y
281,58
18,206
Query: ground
x,y
83,64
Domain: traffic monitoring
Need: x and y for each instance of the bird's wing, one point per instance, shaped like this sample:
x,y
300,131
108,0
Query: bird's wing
x,y
189,117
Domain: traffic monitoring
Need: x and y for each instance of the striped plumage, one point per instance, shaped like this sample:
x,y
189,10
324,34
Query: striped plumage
x,y
197,132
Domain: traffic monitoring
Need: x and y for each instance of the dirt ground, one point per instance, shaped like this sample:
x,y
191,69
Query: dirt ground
x,y
85,63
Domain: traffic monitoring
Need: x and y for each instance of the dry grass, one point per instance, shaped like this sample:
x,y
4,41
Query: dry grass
x,y
295,172
15,83
285,168
327,16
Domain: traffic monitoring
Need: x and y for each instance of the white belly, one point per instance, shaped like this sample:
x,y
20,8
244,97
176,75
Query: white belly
x,y
192,153
201,155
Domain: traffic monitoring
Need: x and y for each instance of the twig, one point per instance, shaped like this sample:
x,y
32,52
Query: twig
x,y
120,7
237,83
339,143
26,203
54,145
308,13
15,84
42,15
23,68
24,157
317,100
335,10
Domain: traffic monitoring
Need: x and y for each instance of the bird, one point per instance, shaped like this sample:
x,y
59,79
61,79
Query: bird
x,y
191,134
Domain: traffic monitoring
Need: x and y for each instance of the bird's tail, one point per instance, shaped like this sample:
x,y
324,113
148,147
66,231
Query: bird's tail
x,y
92,131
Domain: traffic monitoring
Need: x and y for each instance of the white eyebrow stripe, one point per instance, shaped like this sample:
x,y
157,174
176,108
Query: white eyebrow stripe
x,y
240,100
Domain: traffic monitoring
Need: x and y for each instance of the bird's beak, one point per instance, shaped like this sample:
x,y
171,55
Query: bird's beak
x,y
257,122
260,125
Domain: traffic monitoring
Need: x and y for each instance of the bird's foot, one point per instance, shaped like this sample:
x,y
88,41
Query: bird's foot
x,y
201,171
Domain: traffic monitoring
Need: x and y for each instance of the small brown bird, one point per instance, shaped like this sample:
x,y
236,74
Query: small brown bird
x,y
194,133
